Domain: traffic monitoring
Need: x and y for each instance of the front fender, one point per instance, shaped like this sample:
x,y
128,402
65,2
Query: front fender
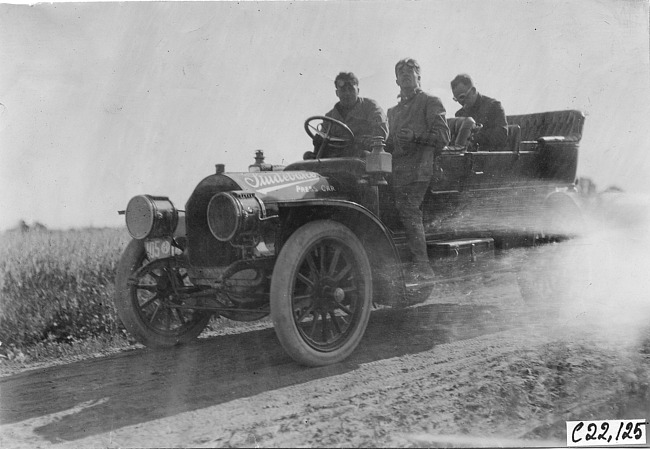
x,y
388,278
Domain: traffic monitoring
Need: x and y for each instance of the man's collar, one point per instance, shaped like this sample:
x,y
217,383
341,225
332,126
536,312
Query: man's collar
x,y
339,104
403,97
477,101
344,110
347,108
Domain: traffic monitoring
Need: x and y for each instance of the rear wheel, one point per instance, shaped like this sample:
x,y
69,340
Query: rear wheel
x,y
147,299
321,293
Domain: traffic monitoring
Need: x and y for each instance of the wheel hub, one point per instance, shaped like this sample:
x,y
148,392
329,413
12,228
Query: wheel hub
x,y
328,294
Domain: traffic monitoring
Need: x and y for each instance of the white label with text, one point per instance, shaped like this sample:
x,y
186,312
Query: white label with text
x,y
609,432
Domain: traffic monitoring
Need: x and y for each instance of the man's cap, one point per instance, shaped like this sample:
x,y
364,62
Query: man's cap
x,y
344,78
409,62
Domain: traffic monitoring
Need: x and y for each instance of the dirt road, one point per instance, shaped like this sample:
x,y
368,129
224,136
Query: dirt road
x,y
472,366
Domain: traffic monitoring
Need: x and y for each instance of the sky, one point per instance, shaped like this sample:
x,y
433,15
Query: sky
x,y
103,101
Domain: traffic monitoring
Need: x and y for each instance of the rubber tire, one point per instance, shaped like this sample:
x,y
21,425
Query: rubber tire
x,y
125,303
285,272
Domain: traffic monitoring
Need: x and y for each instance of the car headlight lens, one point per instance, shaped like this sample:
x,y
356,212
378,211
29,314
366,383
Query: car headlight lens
x,y
150,216
234,215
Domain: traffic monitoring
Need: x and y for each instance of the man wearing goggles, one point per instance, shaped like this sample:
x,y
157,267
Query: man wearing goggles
x,y
481,122
364,117
418,133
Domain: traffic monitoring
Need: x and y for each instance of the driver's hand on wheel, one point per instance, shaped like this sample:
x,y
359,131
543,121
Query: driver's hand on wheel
x,y
317,141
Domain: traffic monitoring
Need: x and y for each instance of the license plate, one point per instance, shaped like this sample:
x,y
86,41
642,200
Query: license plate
x,y
160,248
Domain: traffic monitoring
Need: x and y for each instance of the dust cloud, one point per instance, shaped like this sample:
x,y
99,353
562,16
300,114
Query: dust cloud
x,y
601,278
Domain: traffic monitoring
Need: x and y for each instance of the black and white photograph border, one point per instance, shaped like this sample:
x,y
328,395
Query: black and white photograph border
x,y
528,343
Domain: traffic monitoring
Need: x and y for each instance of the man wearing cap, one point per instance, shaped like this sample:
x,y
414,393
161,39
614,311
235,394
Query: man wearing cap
x,y
364,117
481,122
418,132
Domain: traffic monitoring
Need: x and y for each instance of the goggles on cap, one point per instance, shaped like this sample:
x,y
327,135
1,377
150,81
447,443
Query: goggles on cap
x,y
342,82
407,62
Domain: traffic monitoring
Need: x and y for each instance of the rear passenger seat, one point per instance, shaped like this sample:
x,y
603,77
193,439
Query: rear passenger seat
x,y
526,130
565,126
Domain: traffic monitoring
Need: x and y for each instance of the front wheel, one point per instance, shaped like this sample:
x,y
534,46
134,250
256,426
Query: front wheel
x,y
321,293
147,299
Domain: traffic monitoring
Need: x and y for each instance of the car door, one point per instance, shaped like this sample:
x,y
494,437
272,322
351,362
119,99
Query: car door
x,y
498,192
442,208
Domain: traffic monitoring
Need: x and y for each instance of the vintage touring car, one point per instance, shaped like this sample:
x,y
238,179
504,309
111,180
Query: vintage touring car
x,y
316,243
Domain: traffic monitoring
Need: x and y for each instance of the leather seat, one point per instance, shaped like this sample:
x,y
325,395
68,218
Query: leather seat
x,y
568,123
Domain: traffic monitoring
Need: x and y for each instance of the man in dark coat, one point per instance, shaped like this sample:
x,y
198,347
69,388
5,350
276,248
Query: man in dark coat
x,y
481,123
364,117
418,132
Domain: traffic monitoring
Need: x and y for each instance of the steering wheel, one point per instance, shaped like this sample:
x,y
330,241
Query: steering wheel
x,y
324,130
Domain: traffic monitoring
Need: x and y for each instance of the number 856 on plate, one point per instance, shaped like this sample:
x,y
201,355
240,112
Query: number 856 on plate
x,y
606,433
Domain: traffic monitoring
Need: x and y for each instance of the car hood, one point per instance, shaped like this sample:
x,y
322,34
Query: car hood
x,y
285,185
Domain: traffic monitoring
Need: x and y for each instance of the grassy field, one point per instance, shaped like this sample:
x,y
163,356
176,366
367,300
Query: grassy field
x,y
56,297
56,290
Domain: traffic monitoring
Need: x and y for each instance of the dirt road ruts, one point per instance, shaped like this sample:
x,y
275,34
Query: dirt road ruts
x,y
469,362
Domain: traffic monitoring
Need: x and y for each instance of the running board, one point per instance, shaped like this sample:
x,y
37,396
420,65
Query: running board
x,y
461,249
468,249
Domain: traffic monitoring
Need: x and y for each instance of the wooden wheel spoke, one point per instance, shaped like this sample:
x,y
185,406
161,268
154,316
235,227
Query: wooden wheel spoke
x,y
314,324
335,322
308,282
147,287
183,277
156,277
299,301
304,314
148,302
312,264
343,272
168,317
324,326
346,309
322,249
154,315
180,316
334,262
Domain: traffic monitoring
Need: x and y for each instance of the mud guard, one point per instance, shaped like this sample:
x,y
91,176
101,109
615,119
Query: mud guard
x,y
387,273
